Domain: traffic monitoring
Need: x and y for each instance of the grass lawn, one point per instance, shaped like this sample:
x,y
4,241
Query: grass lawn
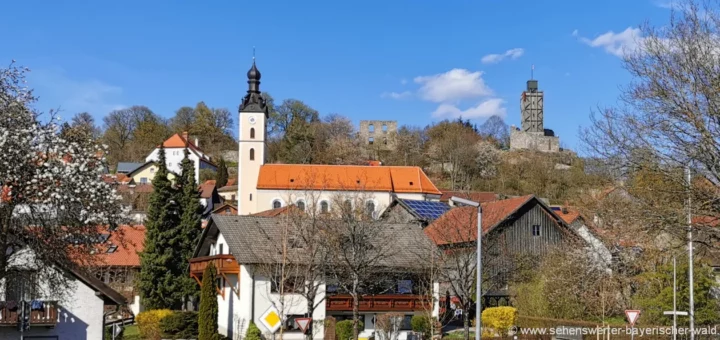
x,y
131,333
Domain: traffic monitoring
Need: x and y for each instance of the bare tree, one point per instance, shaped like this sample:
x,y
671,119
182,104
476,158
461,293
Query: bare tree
x,y
668,118
359,249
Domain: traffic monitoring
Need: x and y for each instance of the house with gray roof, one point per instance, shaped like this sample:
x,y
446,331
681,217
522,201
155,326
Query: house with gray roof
x,y
242,248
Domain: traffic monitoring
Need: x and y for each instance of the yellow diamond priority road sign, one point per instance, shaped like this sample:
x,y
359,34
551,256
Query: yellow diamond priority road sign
x,y
271,319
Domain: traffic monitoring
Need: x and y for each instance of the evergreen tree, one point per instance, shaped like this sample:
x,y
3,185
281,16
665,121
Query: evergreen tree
x,y
190,223
222,176
158,279
207,316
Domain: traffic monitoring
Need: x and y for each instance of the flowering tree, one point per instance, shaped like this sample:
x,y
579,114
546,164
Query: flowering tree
x,y
53,198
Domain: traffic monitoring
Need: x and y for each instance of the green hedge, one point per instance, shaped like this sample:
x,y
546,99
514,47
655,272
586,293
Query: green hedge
x,y
180,325
344,329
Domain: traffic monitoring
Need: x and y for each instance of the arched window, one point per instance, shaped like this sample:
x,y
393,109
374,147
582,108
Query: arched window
x,y
276,204
252,154
385,141
384,128
252,133
371,128
347,206
300,205
369,208
324,207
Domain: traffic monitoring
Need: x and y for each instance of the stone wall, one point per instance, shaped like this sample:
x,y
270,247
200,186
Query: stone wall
x,y
378,133
520,140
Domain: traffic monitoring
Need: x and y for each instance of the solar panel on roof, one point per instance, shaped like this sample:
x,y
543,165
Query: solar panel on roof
x,y
555,208
427,210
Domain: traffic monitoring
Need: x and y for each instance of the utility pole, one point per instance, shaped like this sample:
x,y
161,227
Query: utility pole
x,y
478,287
690,256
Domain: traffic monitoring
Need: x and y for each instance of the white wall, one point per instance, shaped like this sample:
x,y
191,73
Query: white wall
x,y
80,315
173,160
265,198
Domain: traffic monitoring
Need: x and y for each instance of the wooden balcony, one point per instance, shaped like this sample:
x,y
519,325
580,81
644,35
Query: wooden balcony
x,y
378,303
42,317
225,264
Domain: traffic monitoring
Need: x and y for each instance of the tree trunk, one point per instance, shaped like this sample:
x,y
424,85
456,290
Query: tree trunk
x,y
466,323
310,312
356,311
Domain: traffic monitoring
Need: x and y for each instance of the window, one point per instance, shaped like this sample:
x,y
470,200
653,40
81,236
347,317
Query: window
x,y
324,207
347,206
371,140
227,211
384,128
290,325
371,128
19,286
369,208
251,197
536,230
276,204
301,205
220,251
291,284
152,170
252,154
143,180
385,141
252,133
232,197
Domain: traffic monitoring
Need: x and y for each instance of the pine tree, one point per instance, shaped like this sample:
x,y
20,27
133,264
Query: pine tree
x,y
222,176
190,222
158,282
208,314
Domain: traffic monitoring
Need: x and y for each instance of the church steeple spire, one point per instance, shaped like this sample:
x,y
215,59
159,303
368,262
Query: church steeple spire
x,y
254,101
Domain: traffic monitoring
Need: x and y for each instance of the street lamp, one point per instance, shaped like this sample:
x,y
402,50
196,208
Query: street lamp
x,y
478,293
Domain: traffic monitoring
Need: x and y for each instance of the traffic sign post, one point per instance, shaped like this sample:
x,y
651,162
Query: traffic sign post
x,y
303,323
271,319
632,316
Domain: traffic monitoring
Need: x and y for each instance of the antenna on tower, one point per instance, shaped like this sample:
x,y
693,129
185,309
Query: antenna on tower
x,y
532,70
253,53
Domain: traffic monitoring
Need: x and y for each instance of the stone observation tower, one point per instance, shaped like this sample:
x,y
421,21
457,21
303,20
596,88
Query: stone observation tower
x,y
532,135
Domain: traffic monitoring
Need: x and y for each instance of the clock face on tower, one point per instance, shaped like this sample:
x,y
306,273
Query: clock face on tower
x,y
251,120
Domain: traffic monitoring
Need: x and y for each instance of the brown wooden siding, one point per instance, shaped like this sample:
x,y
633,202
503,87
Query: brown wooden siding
x,y
515,239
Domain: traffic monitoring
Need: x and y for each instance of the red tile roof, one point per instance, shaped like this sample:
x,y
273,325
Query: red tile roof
x,y
476,196
178,141
399,179
279,211
569,215
206,189
459,225
129,241
221,209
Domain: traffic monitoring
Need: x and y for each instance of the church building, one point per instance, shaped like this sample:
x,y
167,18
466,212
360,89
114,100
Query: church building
x,y
263,186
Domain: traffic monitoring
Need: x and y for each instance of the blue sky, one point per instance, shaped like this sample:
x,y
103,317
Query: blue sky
x,y
411,61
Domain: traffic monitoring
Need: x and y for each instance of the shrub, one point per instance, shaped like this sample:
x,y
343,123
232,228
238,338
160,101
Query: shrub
x,y
344,329
180,325
421,324
253,332
500,319
149,323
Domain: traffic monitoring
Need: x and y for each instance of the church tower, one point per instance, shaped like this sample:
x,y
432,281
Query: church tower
x,y
252,123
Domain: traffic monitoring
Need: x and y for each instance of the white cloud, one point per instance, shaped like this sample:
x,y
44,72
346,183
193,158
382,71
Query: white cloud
x,y
396,95
618,44
485,109
496,58
57,89
403,81
575,33
452,85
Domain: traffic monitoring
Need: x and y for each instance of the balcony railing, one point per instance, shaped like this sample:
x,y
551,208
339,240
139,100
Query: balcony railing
x,y
372,303
224,264
47,316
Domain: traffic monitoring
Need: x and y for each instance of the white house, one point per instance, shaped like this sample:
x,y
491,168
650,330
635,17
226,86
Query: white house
x,y
76,313
263,186
244,248
175,147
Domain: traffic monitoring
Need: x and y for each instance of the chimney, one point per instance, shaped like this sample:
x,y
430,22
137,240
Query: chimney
x,y
197,142
185,135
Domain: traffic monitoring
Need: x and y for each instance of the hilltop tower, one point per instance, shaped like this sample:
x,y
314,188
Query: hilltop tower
x,y
532,134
